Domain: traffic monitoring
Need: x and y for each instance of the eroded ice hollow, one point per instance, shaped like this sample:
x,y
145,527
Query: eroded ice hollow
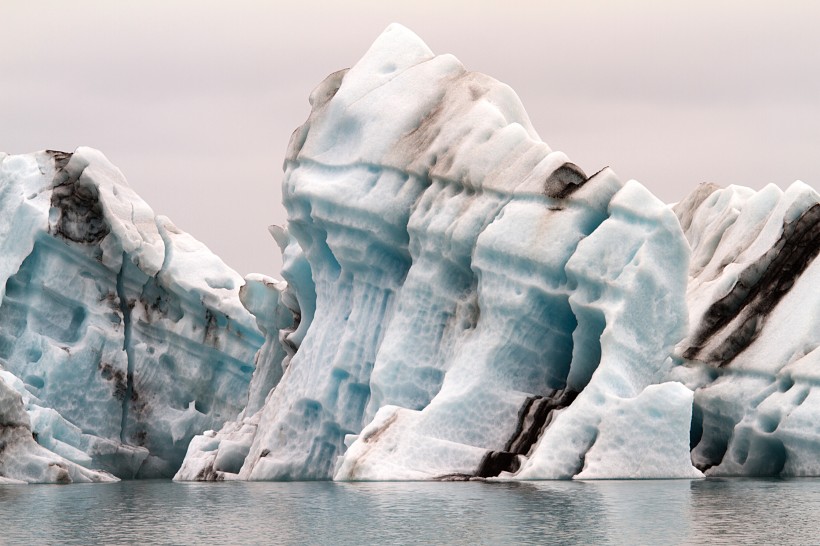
x,y
120,335
461,301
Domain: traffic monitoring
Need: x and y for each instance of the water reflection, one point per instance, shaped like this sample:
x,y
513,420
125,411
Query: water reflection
x,y
617,512
646,512
759,511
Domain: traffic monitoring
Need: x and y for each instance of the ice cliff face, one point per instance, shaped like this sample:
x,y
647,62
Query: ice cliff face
x,y
461,301
22,459
126,335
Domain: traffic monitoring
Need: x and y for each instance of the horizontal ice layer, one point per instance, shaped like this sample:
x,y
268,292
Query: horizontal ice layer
x,y
128,332
63,438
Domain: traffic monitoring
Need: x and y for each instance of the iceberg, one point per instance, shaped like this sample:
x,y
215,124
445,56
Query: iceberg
x,y
126,334
462,302
458,301
24,460
751,354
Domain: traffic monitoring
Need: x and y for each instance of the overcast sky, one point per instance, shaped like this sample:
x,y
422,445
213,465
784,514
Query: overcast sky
x,y
195,100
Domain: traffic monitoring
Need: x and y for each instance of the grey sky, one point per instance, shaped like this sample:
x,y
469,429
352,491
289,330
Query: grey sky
x,y
195,100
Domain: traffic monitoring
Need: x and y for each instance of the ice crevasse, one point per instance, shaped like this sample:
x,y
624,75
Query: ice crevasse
x,y
460,301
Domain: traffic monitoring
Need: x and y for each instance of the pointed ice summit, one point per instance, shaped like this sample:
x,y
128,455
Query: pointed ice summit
x,y
462,301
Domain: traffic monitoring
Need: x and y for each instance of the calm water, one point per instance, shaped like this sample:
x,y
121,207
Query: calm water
x,y
619,512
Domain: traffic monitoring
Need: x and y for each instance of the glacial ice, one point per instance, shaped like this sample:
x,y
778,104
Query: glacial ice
x,y
458,301
24,460
217,456
127,334
751,353
470,304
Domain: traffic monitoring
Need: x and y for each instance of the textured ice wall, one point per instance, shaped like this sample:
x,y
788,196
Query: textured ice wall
x,y
24,460
466,285
127,332
752,350
467,303
283,310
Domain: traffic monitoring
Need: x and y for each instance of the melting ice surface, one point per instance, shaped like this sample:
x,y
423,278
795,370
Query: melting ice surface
x,y
462,301
459,301
120,335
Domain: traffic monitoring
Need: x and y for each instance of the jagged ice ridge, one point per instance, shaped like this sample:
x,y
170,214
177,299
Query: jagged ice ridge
x,y
459,302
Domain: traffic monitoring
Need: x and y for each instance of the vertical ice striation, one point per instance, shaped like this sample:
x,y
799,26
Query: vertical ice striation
x,y
127,332
461,275
467,303
629,279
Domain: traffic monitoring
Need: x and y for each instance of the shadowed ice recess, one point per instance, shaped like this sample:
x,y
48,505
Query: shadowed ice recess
x,y
459,301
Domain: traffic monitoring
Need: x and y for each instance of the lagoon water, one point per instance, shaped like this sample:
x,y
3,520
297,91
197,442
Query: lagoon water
x,y
713,511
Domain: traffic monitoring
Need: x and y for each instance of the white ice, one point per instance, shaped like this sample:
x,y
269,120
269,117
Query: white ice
x,y
126,332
